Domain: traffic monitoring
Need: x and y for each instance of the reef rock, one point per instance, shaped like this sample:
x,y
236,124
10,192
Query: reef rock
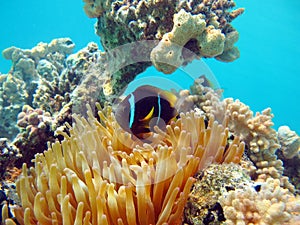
x,y
185,30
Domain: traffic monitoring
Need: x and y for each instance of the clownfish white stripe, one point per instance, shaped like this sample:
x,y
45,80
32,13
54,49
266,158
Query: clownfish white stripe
x,y
132,109
159,109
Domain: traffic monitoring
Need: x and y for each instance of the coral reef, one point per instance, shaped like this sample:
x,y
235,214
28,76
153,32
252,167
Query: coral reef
x,y
203,206
36,129
12,96
42,78
101,174
260,137
225,194
95,173
17,88
289,153
53,82
203,27
289,141
257,132
8,155
268,204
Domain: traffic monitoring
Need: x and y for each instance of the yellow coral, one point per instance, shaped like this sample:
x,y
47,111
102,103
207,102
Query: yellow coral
x,y
99,175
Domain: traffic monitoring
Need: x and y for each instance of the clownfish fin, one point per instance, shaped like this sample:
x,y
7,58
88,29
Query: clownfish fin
x,y
169,96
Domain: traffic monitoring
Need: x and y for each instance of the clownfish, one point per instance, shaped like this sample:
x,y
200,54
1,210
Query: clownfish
x,y
144,108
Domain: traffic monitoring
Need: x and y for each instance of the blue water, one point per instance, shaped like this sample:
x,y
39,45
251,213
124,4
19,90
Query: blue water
x,y
266,75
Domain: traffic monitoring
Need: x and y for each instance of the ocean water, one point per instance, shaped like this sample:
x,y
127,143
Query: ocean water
x,y
266,75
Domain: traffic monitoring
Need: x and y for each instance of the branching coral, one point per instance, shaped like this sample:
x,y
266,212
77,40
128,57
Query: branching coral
x,y
258,133
270,204
256,130
100,175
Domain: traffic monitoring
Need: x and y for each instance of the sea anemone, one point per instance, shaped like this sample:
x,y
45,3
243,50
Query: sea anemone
x,y
100,174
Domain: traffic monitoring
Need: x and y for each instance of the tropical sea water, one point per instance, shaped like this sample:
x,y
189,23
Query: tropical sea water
x,y
266,75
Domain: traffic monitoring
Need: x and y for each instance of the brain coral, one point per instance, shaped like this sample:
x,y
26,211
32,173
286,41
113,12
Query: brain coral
x,y
202,27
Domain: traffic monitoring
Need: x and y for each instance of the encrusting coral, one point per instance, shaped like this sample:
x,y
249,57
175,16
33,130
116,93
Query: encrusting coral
x,y
99,174
203,206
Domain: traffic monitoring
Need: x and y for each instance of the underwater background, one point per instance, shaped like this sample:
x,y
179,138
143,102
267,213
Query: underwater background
x,y
147,158
265,75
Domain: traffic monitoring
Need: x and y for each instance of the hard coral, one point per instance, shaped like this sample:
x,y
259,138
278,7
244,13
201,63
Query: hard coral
x,y
270,204
261,139
202,27
35,131
8,155
101,175
12,96
289,153
256,131
215,181
30,67
167,55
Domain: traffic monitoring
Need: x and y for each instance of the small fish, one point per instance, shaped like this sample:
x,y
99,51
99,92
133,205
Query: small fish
x,y
146,107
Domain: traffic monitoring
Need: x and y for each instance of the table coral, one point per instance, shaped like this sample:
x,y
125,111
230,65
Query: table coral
x,y
202,27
